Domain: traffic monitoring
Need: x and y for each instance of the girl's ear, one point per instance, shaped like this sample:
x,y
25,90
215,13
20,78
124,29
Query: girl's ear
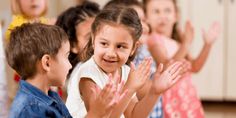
x,y
136,45
46,62
75,50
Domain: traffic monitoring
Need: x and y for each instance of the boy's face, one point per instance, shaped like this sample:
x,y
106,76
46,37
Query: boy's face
x,y
60,66
112,45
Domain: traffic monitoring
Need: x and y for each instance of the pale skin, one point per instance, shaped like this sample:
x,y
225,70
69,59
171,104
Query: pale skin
x,y
196,64
145,36
130,106
186,36
48,68
106,99
33,9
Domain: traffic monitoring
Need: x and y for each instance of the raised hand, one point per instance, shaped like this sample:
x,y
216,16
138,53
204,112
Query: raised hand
x,y
212,34
187,34
164,80
107,98
186,65
138,76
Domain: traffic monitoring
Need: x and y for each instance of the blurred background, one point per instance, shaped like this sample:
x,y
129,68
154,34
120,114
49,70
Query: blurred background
x,y
216,82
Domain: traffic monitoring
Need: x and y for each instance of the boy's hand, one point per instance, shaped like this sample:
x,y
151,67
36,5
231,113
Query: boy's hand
x,y
164,80
107,98
137,77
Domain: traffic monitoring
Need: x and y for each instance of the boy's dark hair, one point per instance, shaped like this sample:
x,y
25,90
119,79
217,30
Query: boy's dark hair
x,y
29,42
125,16
69,19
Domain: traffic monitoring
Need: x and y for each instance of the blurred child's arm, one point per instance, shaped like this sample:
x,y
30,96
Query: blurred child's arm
x,y
209,38
157,49
186,37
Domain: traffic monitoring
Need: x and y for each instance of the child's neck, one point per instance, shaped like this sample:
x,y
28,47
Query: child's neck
x,y
40,83
31,18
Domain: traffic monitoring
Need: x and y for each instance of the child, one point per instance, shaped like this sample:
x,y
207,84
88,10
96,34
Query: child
x,y
142,51
39,53
24,11
115,34
181,100
76,22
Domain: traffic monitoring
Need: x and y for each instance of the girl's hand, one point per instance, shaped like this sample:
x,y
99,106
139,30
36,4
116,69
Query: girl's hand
x,y
186,66
137,77
212,34
107,98
188,34
164,80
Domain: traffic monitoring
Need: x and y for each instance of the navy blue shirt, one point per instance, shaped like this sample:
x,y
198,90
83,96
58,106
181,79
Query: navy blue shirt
x,y
30,102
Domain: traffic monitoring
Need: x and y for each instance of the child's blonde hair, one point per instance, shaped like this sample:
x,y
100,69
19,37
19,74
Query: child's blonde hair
x,y
16,8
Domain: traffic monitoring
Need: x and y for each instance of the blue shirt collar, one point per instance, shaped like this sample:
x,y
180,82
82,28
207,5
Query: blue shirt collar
x,y
30,89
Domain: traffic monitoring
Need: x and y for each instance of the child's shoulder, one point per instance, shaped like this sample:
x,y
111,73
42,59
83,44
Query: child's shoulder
x,y
89,65
22,102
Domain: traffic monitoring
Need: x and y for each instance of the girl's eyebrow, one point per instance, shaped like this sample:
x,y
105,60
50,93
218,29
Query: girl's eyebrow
x,y
122,43
101,38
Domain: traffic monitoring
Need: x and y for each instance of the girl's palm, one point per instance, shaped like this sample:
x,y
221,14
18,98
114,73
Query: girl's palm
x,y
212,34
163,81
138,76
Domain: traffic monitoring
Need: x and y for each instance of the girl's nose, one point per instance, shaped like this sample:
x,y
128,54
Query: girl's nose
x,y
111,53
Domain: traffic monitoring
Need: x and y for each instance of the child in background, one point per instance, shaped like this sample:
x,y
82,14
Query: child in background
x,y
39,53
76,22
26,11
181,100
115,34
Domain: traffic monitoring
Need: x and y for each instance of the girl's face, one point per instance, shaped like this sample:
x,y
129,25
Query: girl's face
x,y
60,66
112,45
142,18
83,31
33,8
161,15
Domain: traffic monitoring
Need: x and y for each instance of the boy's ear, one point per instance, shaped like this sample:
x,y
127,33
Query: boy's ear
x,y
136,45
46,62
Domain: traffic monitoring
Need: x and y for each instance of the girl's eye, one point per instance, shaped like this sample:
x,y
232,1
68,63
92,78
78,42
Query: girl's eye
x,y
121,47
103,43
